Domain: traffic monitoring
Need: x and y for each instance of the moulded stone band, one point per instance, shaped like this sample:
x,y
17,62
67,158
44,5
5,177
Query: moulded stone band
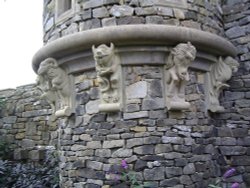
x,y
122,35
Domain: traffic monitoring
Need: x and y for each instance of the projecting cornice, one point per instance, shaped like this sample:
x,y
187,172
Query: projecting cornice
x,y
125,35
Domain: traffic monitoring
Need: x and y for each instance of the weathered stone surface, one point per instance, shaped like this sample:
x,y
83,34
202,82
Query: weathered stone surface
x,y
122,153
172,140
144,150
137,90
154,174
170,182
113,144
233,150
92,107
173,171
189,169
91,174
136,115
134,142
94,165
120,11
100,12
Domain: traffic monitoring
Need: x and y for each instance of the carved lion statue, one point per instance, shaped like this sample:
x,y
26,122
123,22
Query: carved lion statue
x,y
177,64
53,81
220,73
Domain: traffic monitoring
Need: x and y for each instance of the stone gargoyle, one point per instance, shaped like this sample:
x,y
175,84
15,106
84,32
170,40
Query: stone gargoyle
x,y
176,75
108,68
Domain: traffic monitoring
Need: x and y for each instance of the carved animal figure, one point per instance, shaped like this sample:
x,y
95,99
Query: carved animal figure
x,y
177,64
56,80
220,73
107,72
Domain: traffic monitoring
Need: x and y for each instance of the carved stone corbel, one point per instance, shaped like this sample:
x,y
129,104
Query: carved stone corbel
x,y
109,76
217,77
176,75
56,87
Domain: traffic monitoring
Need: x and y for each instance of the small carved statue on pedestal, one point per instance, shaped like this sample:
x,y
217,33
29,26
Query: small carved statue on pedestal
x,y
54,82
109,76
176,75
219,74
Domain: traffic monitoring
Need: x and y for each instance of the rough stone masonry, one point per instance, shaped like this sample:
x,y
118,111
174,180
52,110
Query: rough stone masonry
x,y
165,148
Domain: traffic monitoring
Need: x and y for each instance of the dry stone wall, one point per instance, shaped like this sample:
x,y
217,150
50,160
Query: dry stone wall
x,y
232,126
166,149
23,123
90,14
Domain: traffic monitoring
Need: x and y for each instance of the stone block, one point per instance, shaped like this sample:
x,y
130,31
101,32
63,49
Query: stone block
x,y
113,144
127,20
173,155
154,174
108,22
165,11
20,136
92,107
101,12
163,148
94,165
134,142
91,174
37,155
122,153
153,104
235,32
10,119
103,153
186,180
154,19
27,143
137,90
93,4
76,147
172,140
152,140
138,129
170,182
145,11
144,150
189,169
132,108
94,145
233,150
173,171
241,160
84,153
136,115
20,154
121,10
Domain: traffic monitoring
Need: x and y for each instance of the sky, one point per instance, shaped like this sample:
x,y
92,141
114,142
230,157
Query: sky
x,y
20,38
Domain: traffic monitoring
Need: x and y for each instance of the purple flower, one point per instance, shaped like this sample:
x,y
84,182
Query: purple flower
x,y
124,164
229,173
235,185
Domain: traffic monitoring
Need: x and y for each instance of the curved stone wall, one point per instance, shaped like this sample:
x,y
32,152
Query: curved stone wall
x,y
139,90
81,15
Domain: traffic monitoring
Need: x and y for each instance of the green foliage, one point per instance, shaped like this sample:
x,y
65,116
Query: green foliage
x,y
20,175
5,150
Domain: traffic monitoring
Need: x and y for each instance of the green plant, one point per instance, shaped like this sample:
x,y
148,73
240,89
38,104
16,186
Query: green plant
x,y
5,150
122,173
230,172
21,175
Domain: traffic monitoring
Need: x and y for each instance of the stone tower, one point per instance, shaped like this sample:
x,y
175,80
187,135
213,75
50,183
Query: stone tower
x,y
146,82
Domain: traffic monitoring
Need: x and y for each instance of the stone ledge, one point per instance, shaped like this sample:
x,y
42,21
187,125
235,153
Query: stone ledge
x,y
134,35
